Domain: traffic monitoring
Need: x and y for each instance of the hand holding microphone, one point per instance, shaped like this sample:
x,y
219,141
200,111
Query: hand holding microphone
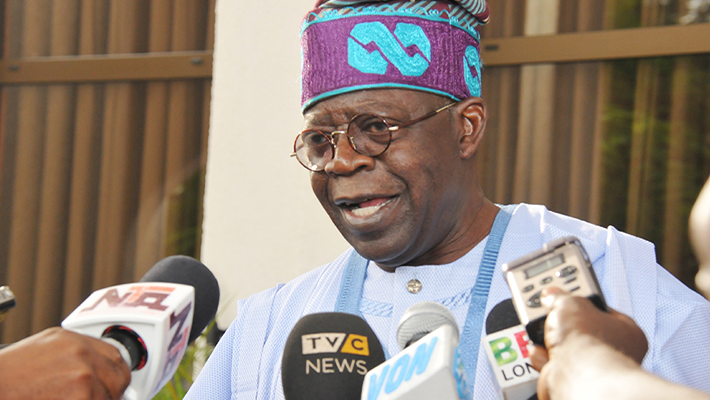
x,y
575,329
571,315
553,317
59,364
564,263
151,322
127,343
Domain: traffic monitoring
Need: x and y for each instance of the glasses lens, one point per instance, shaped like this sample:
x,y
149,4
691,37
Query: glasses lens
x,y
370,134
313,150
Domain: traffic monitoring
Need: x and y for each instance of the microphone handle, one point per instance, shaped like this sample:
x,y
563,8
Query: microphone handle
x,y
130,345
121,349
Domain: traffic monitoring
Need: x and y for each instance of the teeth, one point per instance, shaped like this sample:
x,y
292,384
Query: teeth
x,y
366,212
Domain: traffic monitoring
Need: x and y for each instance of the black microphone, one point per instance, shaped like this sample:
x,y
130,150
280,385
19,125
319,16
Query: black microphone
x,y
327,356
507,345
188,271
502,316
151,322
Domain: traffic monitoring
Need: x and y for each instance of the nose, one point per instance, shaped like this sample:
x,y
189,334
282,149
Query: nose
x,y
346,160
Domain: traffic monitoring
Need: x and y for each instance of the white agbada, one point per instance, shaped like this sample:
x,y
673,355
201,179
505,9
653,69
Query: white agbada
x,y
247,361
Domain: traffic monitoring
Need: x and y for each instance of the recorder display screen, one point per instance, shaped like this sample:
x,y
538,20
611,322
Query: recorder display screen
x,y
537,269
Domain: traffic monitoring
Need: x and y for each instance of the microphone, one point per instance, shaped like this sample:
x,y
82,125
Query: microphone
x,y
507,345
151,322
7,301
327,355
429,365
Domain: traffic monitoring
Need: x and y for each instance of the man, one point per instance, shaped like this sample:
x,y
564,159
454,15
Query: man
x,y
586,363
394,120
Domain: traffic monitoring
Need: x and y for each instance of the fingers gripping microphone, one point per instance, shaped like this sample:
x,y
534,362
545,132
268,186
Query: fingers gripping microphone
x,y
506,345
151,322
429,365
327,356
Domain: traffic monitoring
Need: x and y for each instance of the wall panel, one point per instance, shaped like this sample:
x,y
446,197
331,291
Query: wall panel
x,y
87,167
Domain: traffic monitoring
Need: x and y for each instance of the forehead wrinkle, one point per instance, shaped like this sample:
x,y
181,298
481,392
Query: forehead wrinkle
x,y
346,112
318,119
377,106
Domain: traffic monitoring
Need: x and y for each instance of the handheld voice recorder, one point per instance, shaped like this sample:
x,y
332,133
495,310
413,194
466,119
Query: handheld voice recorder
x,y
562,263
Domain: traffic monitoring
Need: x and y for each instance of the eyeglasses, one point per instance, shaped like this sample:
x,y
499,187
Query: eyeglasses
x,y
368,134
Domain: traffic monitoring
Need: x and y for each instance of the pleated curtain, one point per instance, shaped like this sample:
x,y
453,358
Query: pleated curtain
x,y
98,180
623,143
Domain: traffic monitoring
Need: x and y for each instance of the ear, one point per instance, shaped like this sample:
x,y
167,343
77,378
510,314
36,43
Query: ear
x,y
474,116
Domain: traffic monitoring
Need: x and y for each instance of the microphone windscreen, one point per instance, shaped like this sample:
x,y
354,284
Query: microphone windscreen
x,y
327,356
502,316
188,271
421,319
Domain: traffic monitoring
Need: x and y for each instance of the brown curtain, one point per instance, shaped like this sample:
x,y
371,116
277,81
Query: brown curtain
x,y
623,143
501,91
98,181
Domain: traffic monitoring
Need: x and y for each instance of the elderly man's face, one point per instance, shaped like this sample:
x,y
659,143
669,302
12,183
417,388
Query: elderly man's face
x,y
396,207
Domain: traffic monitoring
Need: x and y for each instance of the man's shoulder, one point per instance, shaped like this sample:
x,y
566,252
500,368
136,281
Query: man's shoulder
x,y
299,289
537,221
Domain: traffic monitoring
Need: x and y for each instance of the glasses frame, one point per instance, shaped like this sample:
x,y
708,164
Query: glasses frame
x,y
331,136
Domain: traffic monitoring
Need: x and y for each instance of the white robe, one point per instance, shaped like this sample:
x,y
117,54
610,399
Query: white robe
x,y
246,363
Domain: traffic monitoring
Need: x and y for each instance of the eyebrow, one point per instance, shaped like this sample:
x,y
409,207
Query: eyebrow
x,y
319,120
385,111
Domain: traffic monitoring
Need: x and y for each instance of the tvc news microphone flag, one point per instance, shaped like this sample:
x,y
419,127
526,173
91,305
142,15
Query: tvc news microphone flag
x,y
151,322
327,355
507,348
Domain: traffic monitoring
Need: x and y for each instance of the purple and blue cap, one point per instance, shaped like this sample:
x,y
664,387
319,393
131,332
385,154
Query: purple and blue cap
x,y
429,45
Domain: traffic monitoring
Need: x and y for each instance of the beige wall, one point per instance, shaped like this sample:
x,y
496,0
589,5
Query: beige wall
x,y
262,223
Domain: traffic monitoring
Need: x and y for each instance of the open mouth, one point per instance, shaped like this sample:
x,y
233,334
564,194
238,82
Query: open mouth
x,y
365,208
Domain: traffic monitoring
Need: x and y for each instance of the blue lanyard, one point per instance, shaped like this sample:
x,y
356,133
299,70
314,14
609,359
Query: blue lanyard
x,y
354,278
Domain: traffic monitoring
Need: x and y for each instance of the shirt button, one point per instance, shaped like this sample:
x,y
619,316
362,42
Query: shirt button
x,y
414,286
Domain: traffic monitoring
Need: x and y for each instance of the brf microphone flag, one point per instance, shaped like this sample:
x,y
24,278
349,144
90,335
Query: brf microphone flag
x,y
508,353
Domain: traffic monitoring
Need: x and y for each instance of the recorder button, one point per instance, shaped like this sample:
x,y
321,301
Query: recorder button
x,y
534,301
566,271
546,280
528,288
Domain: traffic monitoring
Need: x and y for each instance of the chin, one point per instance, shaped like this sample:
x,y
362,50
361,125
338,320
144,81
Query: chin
x,y
384,253
388,245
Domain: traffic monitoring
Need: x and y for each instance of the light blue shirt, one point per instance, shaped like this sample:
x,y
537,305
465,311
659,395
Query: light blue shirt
x,y
247,361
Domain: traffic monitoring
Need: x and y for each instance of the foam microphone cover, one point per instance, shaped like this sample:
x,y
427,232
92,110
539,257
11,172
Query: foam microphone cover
x,y
188,271
421,319
327,356
502,316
